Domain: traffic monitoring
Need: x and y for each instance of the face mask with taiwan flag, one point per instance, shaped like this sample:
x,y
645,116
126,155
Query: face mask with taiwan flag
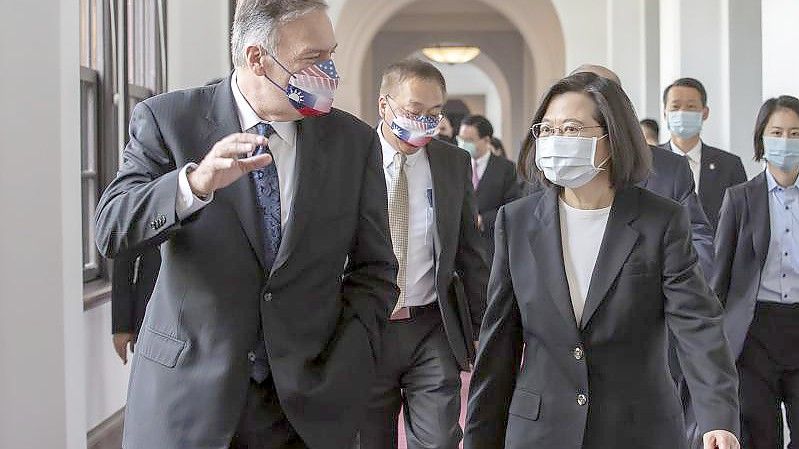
x,y
414,129
311,90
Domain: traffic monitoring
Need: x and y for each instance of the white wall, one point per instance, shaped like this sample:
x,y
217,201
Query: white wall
x,y
780,37
106,378
42,397
197,42
468,79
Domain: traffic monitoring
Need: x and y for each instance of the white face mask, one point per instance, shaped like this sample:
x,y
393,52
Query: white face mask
x,y
568,161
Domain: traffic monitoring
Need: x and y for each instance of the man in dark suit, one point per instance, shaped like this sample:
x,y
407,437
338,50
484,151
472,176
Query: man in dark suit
x,y
714,170
493,178
442,276
277,273
131,286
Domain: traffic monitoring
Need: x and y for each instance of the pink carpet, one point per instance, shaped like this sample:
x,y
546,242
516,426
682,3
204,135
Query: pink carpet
x,y
464,396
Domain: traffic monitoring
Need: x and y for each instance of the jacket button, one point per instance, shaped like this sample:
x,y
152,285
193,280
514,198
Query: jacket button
x,y
579,353
267,297
582,399
251,356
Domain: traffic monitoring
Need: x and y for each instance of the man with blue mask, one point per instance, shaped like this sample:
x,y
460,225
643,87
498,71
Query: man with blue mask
x,y
494,178
714,170
442,276
277,274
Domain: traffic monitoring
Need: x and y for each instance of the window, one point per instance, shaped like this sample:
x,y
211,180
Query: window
x,y
107,99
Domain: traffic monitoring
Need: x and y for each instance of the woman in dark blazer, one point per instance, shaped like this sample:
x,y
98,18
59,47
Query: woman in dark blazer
x,y
588,275
757,278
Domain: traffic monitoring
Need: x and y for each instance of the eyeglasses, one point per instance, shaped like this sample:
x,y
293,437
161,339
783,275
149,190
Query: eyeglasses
x,y
413,116
567,129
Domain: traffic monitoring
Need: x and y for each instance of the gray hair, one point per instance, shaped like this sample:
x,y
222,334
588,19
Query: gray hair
x,y
257,22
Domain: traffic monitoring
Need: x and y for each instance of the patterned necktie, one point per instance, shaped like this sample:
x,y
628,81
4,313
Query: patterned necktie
x,y
398,222
267,190
475,178
267,195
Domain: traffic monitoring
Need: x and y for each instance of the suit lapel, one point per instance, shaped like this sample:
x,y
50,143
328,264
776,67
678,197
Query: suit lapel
x,y
439,171
757,202
486,175
708,173
548,253
617,243
223,121
308,179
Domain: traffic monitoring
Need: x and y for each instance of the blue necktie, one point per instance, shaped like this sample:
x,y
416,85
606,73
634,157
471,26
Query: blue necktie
x,y
267,196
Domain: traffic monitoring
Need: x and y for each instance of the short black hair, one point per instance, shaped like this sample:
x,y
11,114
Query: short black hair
x,y
630,156
398,72
769,107
687,82
484,128
652,125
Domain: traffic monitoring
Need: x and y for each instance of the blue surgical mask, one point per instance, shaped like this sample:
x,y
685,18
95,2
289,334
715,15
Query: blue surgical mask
x,y
684,124
469,147
782,152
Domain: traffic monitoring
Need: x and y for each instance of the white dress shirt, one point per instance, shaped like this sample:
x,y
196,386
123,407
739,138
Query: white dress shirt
x,y
420,271
479,165
581,233
694,160
283,145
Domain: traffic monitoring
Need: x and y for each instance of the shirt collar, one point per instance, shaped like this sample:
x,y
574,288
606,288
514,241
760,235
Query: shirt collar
x,y
773,185
694,154
287,131
389,151
483,160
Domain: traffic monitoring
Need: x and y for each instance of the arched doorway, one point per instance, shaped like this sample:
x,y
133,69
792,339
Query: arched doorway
x,y
542,53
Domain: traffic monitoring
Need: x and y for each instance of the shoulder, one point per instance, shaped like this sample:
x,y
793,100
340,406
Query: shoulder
x,y
503,163
657,208
184,99
448,151
738,192
720,155
526,204
342,122
666,158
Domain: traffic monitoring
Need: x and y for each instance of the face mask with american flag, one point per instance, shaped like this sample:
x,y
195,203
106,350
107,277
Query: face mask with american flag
x,y
311,90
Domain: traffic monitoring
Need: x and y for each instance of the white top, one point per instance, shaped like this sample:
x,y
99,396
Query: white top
x,y
480,164
420,275
283,145
694,156
581,233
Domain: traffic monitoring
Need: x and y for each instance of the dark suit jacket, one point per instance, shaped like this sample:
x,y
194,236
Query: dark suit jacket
x,y
645,281
720,170
132,284
498,186
742,241
672,178
321,320
461,270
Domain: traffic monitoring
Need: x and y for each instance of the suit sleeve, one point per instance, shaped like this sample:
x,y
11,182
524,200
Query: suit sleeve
x,y
138,208
469,258
701,231
499,356
694,316
123,294
511,190
725,244
369,284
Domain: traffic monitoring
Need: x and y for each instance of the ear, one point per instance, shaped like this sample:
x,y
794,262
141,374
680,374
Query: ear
x,y
256,58
705,113
382,105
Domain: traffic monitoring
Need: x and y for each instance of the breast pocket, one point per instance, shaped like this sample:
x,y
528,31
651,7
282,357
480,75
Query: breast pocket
x,y
638,268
